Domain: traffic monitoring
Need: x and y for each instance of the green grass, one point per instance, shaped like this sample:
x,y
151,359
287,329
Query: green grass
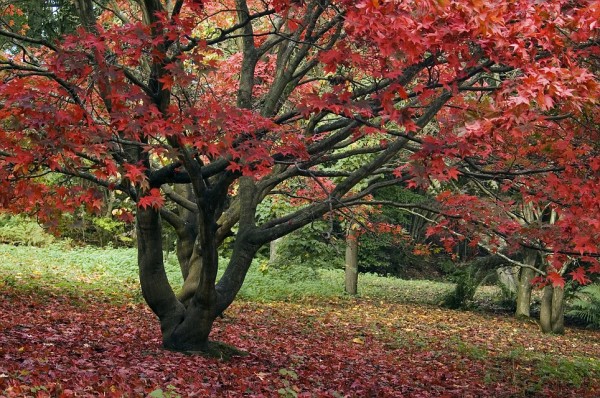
x,y
114,272
76,270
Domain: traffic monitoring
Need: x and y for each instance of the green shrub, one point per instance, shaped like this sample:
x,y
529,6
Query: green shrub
x,y
313,246
20,230
467,282
586,305
97,231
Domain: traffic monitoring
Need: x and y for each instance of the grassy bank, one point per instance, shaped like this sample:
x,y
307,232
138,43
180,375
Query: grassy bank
x,y
114,273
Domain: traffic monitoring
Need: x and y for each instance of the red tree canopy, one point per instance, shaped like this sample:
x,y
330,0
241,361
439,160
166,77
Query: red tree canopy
x,y
491,105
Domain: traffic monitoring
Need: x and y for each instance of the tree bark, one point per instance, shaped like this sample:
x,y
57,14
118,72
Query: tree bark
x,y
552,311
184,328
154,283
546,310
508,277
351,271
558,310
273,246
524,293
187,233
524,287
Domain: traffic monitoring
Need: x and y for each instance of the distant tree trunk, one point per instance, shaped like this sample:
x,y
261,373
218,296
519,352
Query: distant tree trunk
x,y
273,250
552,311
524,287
110,202
508,277
352,261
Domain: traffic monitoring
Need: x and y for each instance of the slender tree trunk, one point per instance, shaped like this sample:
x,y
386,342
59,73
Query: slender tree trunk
x,y
546,310
351,278
558,310
110,202
552,310
524,293
524,287
273,246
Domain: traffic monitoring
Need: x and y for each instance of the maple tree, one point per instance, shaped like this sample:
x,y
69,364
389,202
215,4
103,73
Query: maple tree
x,y
199,110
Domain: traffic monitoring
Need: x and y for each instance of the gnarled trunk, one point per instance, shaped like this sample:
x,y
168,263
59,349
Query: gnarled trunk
x,y
552,311
186,321
183,327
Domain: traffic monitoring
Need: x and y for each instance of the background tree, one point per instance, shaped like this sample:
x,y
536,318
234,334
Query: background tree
x,y
213,105
47,19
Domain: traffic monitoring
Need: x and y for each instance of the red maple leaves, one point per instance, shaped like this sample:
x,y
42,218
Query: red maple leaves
x,y
152,198
497,102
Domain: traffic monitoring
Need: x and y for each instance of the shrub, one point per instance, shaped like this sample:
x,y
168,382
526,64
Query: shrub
x,y
313,246
20,230
467,281
97,231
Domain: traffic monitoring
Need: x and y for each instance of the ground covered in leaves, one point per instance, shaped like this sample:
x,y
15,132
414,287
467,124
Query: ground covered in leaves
x,y
52,345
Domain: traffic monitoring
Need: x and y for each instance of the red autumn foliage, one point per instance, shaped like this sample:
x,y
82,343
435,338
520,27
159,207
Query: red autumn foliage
x,y
491,105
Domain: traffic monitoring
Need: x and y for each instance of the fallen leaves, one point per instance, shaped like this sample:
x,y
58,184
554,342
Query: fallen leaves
x,y
54,346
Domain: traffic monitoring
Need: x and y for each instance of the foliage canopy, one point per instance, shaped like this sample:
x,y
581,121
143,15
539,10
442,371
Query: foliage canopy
x,y
199,110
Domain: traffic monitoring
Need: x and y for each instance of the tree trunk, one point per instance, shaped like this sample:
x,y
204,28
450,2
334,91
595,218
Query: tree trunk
x,y
526,275
552,311
508,277
558,310
351,278
273,246
546,310
187,233
524,293
184,328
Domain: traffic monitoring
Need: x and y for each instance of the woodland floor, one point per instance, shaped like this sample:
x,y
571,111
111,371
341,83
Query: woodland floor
x,y
55,345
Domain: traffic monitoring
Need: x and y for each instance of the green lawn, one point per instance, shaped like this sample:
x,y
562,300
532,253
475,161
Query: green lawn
x,y
114,272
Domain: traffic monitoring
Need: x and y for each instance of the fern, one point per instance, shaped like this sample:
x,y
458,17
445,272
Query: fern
x,y
20,230
587,305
